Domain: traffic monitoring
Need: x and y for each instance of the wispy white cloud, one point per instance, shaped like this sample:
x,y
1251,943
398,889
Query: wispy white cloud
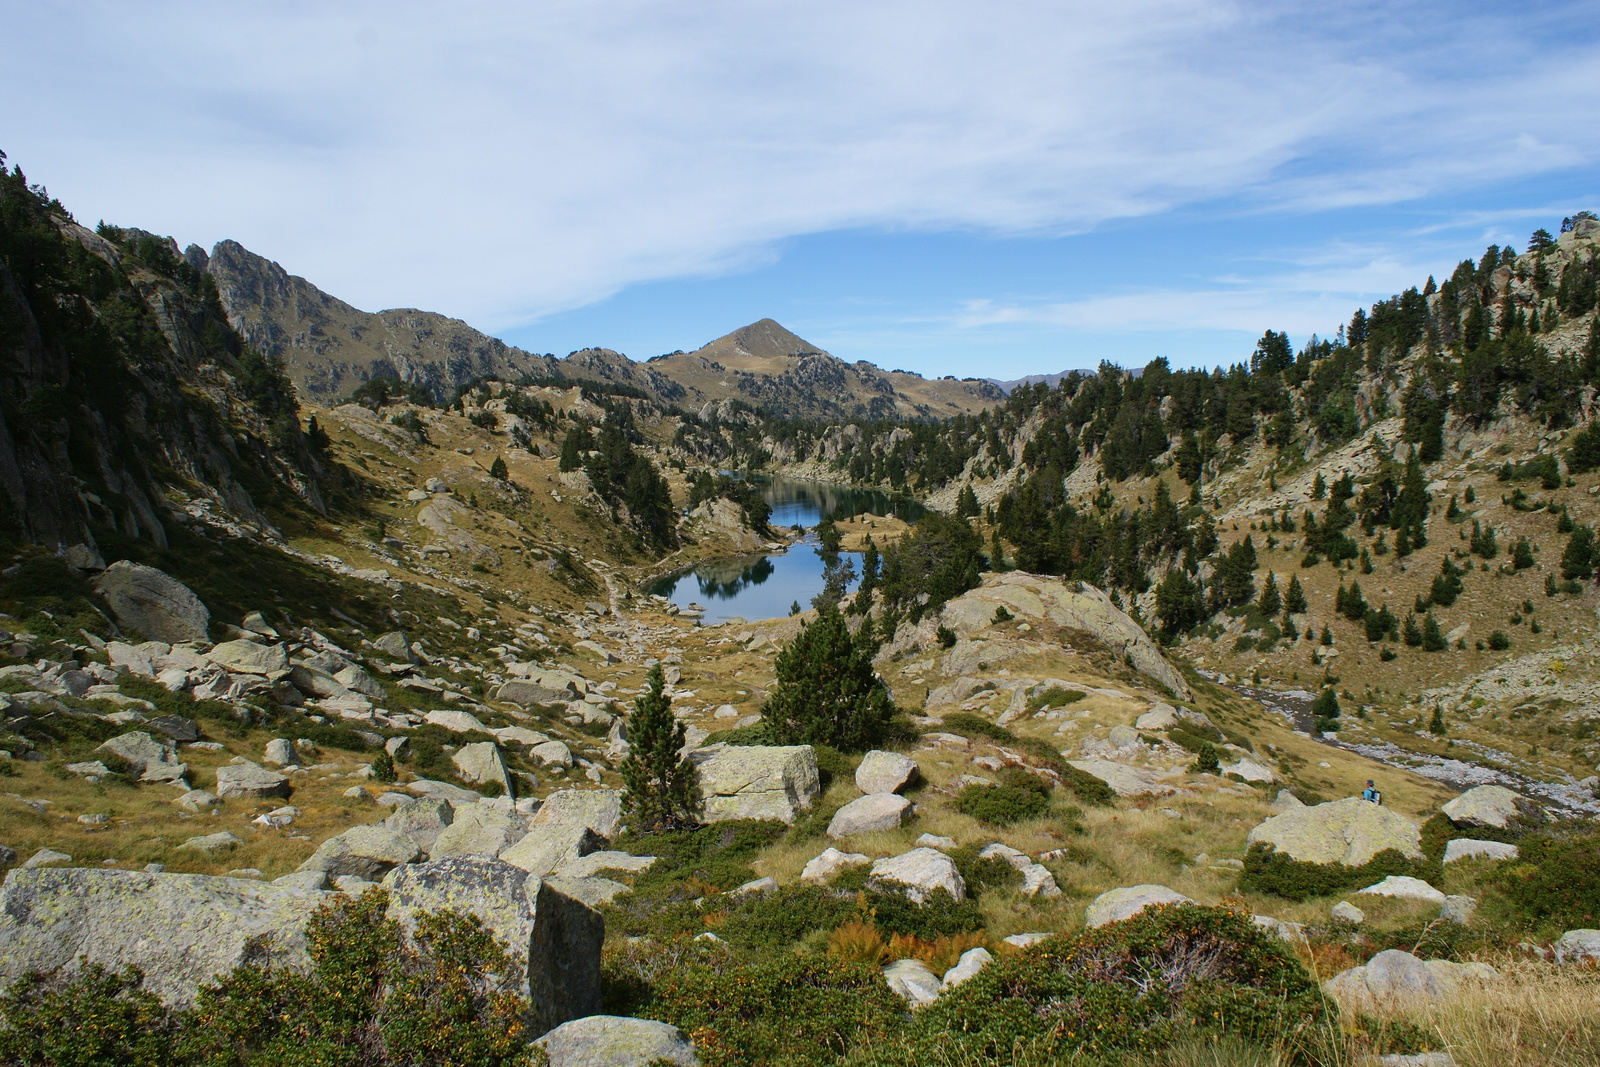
x,y
501,161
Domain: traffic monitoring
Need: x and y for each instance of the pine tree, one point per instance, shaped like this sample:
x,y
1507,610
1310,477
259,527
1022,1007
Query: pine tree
x,y
1522,555
826,692
1483,541
1366,562
1436,725
1325,711
1432,639
497,469
967,502
1411,634
1327,634
660,788
1294,601
1579,558
1270,601
1319,488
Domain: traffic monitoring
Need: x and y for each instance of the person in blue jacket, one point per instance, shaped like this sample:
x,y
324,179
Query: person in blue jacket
x,y
1371,794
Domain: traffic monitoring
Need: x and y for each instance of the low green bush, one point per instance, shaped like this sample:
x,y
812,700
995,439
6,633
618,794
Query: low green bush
x,y
940,916
1267,870
776,922
982,874
1001,805
1055,697
783,1011
1129,988
967,724
1555,881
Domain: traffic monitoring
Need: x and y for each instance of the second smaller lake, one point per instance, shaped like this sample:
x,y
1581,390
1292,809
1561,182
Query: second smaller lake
x,y
752,587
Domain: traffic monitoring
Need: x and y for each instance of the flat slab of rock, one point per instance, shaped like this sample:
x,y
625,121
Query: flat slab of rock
x,y
420,821
593,891
829,862
598,809
1037,881
456,721
757,781
1124,780
556,937
616,1041
1027,940
1463,848
1250,770
595,862
218,842
1404,887
453,795
885,772
1124,903
154,603
365,852
869,814
919,874
1349,831
528,693
250,780
181,930
479,830
544,848
1346,912
1492,805
249,657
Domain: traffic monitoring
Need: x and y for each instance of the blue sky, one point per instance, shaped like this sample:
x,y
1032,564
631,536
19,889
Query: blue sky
x,y
954,188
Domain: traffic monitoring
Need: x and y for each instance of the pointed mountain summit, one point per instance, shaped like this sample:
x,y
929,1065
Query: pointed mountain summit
x,y
765,339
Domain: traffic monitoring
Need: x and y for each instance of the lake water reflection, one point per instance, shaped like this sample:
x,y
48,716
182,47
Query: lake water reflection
x,y
766,586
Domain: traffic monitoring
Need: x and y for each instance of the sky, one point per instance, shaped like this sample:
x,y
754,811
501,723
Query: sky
x,y
979,189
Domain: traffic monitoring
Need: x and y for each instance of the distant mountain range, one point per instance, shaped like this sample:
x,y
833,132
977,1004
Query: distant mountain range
x,y
330,348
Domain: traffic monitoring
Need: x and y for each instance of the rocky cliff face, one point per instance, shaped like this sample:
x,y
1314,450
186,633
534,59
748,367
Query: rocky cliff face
x,y
330,347
125,391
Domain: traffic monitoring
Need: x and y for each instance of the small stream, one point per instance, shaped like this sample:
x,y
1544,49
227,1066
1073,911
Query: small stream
x,y
1294,705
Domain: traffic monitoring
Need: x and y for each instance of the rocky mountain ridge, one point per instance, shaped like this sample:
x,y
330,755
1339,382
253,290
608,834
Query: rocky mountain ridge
x,y
330,348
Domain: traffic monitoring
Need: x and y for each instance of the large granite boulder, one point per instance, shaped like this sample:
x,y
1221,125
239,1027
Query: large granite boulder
x,y
1070,605
756,781
556,938
528,693
885,772
479,830
829,862
868,814
251,781
482,763
544,848
365,852
1493,806
181,930
1397,978
1404,887
919,874
154,603
1125,781
421,822
1124,903
139,749
1349,831
617,1041
1577,946
1465,848
911,980
598,809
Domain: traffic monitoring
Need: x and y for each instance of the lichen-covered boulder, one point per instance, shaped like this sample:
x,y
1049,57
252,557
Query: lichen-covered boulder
x,y
598,809
1465,848
154,603
757,781
482,763
885,772
250,780
479,830
366,852
1349,831
421,822
1124,903
869,814
544,848
617,1041
1397,978
181,930
139,749
554,936
249,657
919,874
1493,806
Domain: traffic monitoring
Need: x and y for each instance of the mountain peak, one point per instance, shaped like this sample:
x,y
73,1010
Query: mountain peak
x,y
762,339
